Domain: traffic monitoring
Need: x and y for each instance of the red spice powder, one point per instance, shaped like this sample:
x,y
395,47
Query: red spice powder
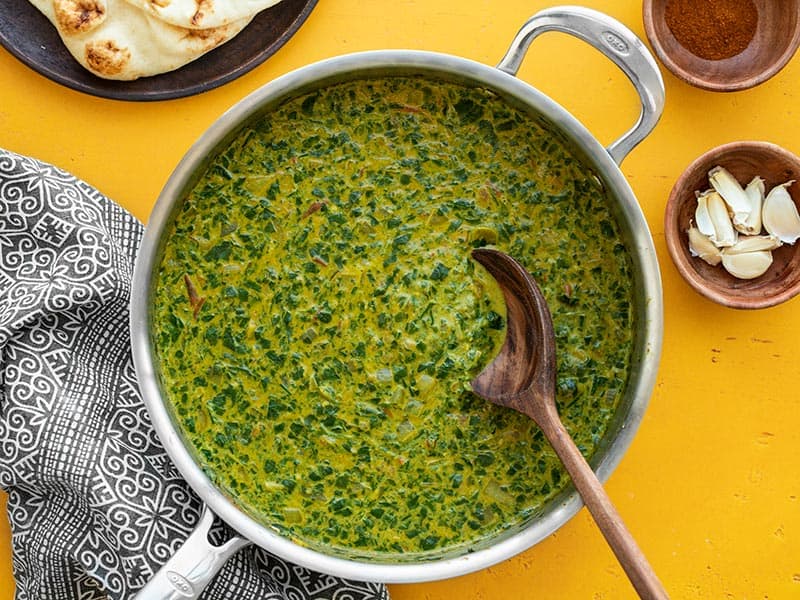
x,y
712,29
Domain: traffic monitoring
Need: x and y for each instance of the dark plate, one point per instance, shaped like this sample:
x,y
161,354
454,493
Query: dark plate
x,y
28,35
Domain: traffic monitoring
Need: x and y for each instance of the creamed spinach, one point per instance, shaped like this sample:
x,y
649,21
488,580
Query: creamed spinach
x,y
318,317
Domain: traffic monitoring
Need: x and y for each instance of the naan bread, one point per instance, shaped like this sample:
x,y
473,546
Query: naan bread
x,y
201,14
115,40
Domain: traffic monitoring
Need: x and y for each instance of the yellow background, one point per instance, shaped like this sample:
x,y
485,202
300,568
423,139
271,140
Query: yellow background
x,y
710,485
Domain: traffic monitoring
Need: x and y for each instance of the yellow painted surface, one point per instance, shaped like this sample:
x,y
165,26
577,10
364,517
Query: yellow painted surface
x,y
710,485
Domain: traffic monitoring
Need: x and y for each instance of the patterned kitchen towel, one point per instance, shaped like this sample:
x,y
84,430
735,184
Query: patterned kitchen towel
x,y
94,502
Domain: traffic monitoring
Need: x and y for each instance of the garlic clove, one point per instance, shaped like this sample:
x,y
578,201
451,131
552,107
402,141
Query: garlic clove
x,y
779,214
751,225
731,191
754,243
724,233
701,215
702,247
747,265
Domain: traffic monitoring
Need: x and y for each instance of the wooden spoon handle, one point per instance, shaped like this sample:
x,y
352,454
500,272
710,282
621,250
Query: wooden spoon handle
x,y
627,551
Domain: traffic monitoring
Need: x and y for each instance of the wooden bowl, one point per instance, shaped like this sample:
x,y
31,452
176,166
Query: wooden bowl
x,y
777,36
744,160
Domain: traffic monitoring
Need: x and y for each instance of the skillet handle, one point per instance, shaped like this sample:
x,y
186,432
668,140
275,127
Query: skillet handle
x,y
192,567
614,40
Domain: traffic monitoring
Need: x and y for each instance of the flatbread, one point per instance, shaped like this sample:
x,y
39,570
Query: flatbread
x,y
115,40
201,14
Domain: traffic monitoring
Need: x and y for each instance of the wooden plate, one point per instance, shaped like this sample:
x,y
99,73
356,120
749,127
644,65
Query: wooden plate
x,y
28,35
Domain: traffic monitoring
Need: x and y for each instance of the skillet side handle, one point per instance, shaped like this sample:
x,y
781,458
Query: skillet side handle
x,y
618,43
192,567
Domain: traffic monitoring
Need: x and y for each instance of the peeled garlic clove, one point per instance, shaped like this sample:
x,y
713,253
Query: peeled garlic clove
x,y
726,186
779,214
701,215
747,265
724,233
701,246
754,243
754,192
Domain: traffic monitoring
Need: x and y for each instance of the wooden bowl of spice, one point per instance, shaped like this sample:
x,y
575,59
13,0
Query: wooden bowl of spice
x,y
758,267
723,45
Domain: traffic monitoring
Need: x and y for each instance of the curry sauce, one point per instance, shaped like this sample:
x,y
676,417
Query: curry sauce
x,y
318,317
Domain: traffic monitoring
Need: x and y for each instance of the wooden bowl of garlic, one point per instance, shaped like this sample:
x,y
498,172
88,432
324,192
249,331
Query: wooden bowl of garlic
x,y
732,225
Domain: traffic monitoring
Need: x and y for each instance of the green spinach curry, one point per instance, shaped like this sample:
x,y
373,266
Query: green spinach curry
x,y
318,317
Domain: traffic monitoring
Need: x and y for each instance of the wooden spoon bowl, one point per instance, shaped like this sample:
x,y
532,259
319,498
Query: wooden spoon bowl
x,y
523,377
776,39
744,160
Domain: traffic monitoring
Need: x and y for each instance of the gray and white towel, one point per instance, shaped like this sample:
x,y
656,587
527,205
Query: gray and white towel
x,y
95,505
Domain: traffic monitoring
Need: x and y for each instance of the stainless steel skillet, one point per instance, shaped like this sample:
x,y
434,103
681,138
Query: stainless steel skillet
x,y
193,566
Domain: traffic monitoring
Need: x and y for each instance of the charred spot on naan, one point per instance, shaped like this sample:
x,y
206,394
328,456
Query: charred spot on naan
x,y
79,16
204,7
207,38
107,59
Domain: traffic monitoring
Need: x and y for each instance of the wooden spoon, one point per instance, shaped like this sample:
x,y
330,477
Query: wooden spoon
x,y
523,377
